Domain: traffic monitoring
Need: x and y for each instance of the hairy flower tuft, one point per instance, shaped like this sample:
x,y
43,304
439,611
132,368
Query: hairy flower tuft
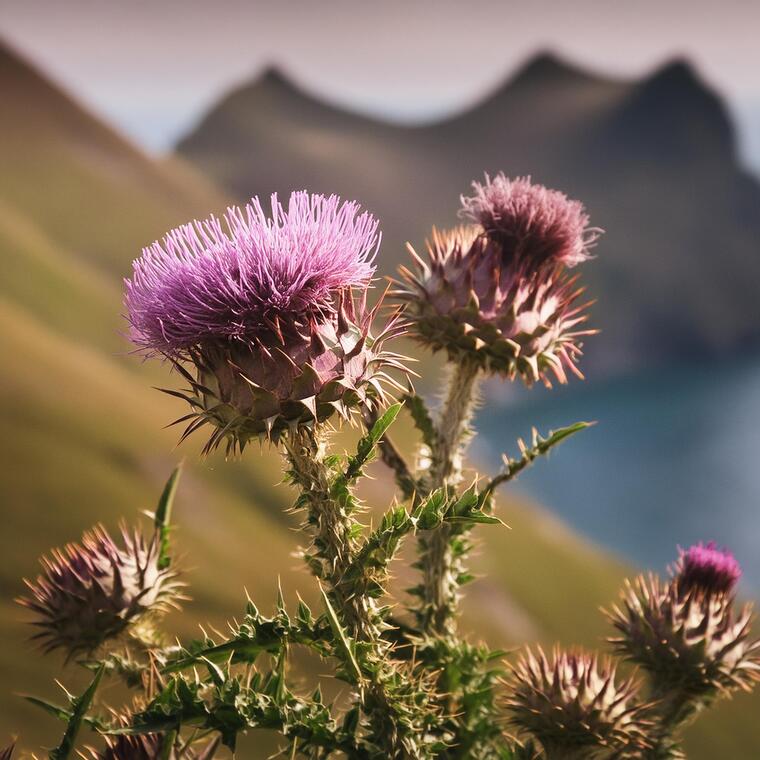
x,y
573,706
95,590
704,567
531,223
266,313
234,279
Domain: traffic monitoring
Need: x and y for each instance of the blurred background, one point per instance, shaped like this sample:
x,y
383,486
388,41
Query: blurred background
x,y
118,121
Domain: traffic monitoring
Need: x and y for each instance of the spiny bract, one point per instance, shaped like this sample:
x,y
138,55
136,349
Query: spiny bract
x,y
94,591
149,747
690,642
300,376
572,705
477,304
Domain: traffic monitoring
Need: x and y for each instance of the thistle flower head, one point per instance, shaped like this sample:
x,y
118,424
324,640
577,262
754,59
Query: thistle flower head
x,y
693,645
238,278
573,706
532,224
265,312
471,300
707,569
96,590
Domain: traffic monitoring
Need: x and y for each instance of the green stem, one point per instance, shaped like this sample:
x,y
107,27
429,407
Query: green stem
x,y
439,564
333,529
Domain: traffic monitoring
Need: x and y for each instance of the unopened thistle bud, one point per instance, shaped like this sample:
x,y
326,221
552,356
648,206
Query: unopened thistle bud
x,y
573,706
150,747
497,292
707,569
262,309
687,636
94,591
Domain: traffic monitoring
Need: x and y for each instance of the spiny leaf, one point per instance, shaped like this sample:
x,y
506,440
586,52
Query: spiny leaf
x,y
539,446
342,639
367,443
163,516
79,709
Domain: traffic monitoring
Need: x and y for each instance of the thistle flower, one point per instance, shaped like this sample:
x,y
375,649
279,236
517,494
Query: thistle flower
x,y
96,590
532,224
264,312
480,303
572,705
691,643
707,569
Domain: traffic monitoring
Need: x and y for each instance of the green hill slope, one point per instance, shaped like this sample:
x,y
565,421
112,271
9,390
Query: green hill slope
x,y
81,436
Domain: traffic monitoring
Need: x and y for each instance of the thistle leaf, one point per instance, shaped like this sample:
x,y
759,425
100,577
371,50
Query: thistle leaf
x,y
163,516
79,708
539,447
366,446
341,638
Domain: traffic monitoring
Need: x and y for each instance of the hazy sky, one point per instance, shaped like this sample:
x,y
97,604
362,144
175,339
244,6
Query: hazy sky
x,y
153,66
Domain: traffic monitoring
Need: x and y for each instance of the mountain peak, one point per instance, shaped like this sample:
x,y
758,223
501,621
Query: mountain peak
x,y
546,67
274,76
674,76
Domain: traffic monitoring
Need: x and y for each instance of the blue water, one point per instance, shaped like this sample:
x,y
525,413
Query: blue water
x,y
674,458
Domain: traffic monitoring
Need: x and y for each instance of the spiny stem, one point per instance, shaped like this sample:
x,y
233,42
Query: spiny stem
x,y
334,548
439,566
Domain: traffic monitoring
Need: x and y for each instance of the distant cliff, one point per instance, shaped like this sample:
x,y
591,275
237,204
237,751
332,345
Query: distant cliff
x,y
678,272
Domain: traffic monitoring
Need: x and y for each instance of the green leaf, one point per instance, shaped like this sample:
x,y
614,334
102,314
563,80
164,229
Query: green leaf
x,y
539,447
342,639
61,713
367,443
79,709
163,516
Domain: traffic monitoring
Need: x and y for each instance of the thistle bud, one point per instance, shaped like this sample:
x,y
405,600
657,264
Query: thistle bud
x,y
96,590
497,293
573,706
263,313
707,569
149,747
692,644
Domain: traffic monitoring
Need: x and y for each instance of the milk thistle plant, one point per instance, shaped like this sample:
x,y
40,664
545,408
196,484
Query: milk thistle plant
x,y
265,318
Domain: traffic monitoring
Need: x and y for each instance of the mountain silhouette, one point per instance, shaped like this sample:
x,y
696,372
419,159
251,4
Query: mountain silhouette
x,y
654,160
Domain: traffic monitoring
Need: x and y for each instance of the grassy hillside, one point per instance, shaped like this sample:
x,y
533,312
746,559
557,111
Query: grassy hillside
x,y
81,436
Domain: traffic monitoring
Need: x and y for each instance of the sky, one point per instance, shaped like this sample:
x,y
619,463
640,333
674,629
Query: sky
x,y
152,67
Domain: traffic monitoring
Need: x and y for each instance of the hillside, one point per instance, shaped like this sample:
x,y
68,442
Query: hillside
x,y
654,160
81,435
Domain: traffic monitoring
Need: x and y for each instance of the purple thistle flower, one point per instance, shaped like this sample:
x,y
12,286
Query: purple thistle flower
x,y
232,278
94,591
265,312
708,569
470,300
532,224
